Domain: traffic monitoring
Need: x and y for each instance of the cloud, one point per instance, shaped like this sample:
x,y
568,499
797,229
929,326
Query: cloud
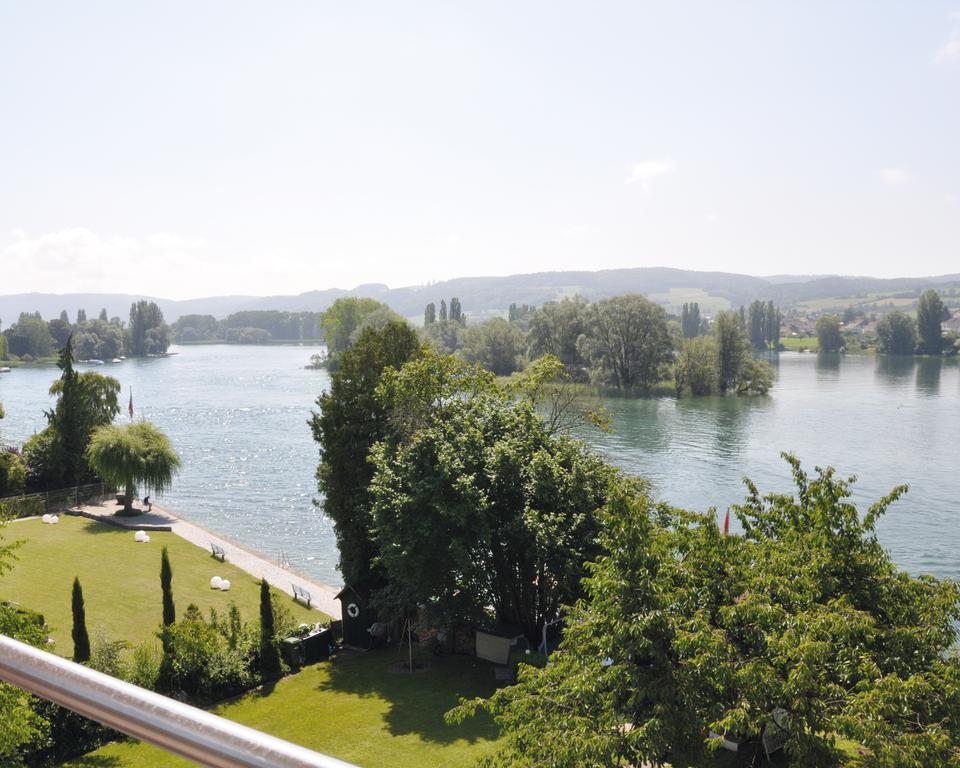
x,y
652,168
78,260
893,176
951,51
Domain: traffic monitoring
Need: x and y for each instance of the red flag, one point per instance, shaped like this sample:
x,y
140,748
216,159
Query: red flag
x,y
130,407
726,523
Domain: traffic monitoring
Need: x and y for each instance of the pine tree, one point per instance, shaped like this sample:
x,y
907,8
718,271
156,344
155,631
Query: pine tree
x,y
443,311
429,314
166,586
456,313
269,653
81,640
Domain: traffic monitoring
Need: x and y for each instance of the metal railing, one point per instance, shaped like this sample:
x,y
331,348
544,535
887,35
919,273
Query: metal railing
x,y
178,728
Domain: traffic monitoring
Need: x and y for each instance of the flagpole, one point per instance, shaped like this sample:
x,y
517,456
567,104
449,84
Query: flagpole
x,y
130,406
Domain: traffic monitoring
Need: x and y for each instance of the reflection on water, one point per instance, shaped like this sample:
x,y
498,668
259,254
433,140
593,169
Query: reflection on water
x,y
928,375
894,370
238,417
828,366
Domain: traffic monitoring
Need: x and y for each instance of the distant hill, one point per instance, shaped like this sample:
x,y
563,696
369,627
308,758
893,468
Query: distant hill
x,y
485,296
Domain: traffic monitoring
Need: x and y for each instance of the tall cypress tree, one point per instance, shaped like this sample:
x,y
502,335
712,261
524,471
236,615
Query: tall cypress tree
x,y
67,421
81,640
269,653
166,585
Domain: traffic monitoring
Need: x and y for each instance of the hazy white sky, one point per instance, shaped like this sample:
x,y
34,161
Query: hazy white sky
x,y
193,148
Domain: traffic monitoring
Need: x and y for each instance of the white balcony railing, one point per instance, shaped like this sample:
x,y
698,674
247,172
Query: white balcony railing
x,y
206,739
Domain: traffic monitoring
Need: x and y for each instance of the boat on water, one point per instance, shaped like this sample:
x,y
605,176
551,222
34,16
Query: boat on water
x,y
116,360
90,362
5,369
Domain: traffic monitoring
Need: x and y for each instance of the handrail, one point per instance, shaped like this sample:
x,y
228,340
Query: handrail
x,y
200,736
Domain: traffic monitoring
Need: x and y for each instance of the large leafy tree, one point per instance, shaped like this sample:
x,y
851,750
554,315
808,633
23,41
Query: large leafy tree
x,y
147,333
131,455
628,342
931,313
686,631
896,334
555,329
349,421
829,338
495,345
476,502
345,320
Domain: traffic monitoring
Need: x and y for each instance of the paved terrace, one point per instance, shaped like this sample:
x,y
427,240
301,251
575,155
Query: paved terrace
x,y
160,519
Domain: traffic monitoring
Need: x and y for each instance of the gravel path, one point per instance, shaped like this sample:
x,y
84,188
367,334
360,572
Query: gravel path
x,y
160,519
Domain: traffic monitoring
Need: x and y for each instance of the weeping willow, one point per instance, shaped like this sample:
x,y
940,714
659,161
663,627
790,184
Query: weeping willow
x,y
131,455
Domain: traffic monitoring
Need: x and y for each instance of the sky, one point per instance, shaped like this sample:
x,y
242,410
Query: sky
x,y
187,149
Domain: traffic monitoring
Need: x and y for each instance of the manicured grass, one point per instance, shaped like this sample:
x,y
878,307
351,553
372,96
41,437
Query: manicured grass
x,y
358,708
798,343
120,579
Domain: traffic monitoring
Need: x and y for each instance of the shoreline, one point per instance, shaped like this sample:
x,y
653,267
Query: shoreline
x,y
244,557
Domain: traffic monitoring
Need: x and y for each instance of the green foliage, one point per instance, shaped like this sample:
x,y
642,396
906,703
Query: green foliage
x,y
627,342
496,345
555,329
81,640
166,588
690,320
733,349
685,631
343,322
828,333
132,454
931,313
98,340
30,335
13,472
197,328
20,724
475,503
207,660
896,334
563,405
350,420
429,314
696,366
147,333
4,352
270,666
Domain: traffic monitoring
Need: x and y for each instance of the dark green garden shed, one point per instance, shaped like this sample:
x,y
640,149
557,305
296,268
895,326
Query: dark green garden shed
x,y
357,615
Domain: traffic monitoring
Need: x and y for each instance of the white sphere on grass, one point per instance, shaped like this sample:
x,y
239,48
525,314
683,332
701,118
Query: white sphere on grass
x,y
216,582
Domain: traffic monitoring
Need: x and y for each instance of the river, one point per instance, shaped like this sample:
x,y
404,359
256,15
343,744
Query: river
x,y
238,417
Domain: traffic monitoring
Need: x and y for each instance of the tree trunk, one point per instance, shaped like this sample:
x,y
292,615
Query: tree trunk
x,y
128,497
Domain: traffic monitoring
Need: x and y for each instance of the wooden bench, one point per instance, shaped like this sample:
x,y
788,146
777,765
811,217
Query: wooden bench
x,y
218,552
299,593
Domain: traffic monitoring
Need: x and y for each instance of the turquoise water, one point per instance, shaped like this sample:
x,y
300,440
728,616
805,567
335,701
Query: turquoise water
x,y
237,415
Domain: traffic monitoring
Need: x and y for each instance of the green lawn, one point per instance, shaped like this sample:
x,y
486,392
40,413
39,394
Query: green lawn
x,y
358,708
797,343
120,579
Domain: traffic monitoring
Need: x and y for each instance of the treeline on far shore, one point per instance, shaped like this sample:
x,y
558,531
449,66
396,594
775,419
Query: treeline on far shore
x,y
249,327
31,338
627,344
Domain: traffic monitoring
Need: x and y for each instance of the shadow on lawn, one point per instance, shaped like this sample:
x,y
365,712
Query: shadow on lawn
x,y
419,700
95,761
